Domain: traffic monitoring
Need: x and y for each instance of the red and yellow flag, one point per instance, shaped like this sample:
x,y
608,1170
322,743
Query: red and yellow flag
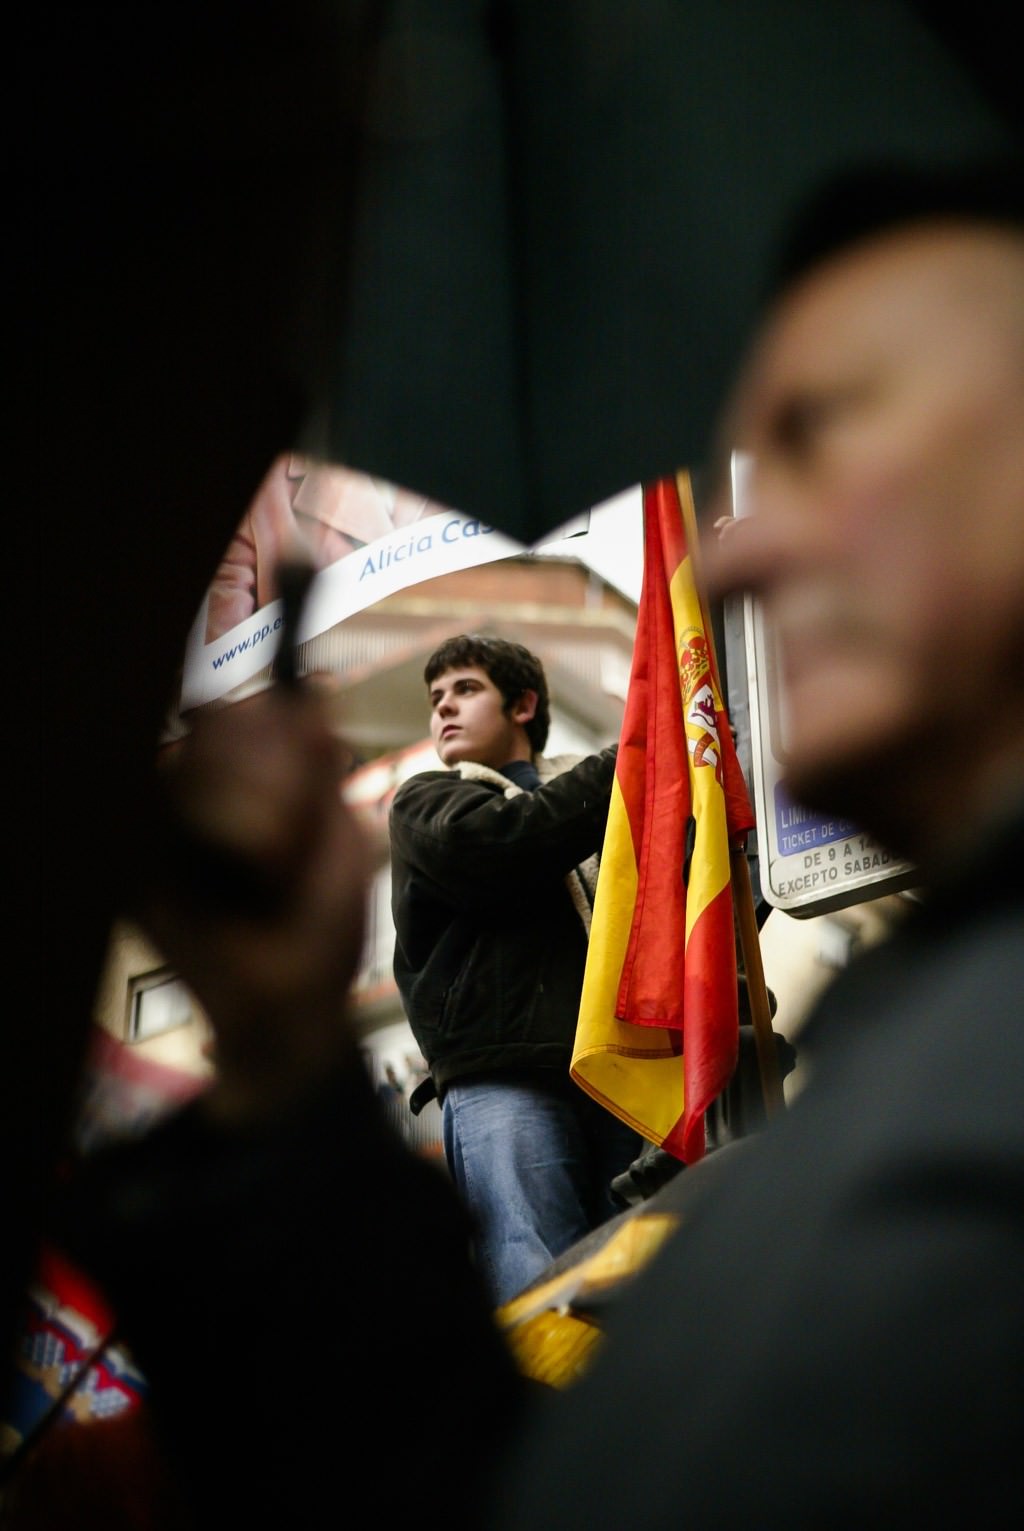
x,y
658,1027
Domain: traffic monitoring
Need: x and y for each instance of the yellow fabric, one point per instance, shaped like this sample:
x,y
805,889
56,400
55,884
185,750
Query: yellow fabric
x,y
554,1348
710,870
554,1345
607,1051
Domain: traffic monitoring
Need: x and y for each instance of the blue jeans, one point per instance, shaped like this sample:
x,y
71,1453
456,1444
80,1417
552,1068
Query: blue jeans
x,y
533,1164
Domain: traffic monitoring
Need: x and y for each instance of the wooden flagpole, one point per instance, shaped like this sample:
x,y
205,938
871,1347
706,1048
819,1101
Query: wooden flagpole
x,y
757,989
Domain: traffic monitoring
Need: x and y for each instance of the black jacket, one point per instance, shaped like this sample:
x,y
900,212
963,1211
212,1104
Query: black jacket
x,y
491,893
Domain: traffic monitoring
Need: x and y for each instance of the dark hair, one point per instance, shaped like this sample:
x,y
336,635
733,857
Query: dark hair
x,y
874,200
511,667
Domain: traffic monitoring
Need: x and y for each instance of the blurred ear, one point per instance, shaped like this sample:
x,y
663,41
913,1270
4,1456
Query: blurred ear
x,y
524,708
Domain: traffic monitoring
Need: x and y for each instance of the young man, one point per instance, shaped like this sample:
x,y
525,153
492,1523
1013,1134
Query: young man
x,y
493,870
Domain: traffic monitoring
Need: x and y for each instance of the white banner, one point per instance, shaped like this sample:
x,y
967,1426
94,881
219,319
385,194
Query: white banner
x,y
354,573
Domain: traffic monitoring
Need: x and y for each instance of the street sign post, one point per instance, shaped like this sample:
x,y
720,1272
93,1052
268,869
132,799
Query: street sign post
x,y
810,863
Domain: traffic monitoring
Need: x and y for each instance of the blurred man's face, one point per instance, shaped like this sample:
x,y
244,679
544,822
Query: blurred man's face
x,y
884,410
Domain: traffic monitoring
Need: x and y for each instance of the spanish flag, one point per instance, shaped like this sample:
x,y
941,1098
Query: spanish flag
x,y
658,1027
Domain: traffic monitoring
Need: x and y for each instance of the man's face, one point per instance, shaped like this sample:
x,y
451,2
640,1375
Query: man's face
x,y
884,411
468,720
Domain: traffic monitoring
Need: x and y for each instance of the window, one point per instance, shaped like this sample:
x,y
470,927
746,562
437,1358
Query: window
x,y
157,1002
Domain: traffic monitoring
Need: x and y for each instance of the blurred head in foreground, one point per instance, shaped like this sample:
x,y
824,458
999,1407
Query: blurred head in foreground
x,y
882,405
